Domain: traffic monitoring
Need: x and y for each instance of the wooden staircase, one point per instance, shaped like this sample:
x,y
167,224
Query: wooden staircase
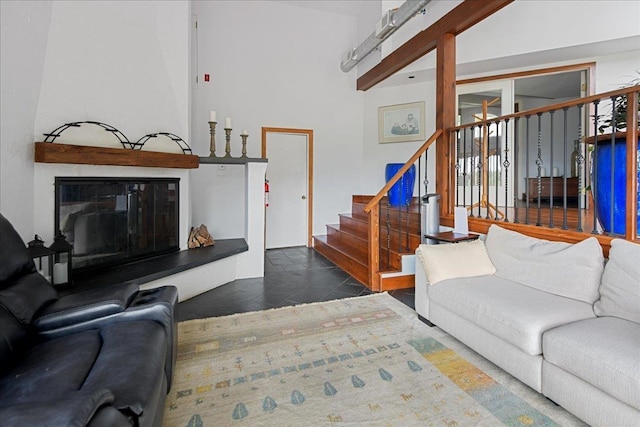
x,y
347,243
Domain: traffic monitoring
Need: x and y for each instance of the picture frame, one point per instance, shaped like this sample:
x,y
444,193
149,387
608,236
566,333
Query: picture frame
x,y
401,122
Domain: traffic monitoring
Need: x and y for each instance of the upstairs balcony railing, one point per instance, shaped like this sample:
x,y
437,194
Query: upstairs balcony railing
x,y
544,168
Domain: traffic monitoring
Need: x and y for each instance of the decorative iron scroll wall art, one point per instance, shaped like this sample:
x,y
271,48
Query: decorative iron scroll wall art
x,y
126,144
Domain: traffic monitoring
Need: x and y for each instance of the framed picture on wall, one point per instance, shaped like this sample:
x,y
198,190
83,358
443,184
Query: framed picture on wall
x,y
401,123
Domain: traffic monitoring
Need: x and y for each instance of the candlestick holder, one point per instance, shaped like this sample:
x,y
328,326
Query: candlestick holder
x,y
227,148
212,130
244,145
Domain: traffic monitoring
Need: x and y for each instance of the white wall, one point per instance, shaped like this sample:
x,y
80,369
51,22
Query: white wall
x,y
278,65
121,63
219,199
23,42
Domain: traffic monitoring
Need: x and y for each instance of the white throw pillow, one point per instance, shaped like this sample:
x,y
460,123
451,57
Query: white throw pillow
x,y
620,288
564,269
451,261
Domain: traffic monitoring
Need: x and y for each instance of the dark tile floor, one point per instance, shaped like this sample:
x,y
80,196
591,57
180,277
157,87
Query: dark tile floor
x,y
291,276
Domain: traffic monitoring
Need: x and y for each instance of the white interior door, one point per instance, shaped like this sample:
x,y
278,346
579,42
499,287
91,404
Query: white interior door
x,y
287,172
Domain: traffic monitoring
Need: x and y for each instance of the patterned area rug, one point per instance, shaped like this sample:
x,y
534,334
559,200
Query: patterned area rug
x,y
358,361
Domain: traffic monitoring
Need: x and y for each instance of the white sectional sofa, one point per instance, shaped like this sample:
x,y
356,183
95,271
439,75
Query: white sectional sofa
x,y
551,314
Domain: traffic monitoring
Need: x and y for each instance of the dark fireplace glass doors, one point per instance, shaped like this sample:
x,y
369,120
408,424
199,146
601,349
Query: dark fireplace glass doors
x,y
113,221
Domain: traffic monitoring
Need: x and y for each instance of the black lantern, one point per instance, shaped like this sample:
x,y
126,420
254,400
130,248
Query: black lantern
x,y
63,253
38,250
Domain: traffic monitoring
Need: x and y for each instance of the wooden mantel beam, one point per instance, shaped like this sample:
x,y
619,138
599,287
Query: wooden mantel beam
x,y
463,16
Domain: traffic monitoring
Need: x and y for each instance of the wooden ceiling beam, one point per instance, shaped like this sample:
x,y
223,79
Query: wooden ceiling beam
x,y
463,16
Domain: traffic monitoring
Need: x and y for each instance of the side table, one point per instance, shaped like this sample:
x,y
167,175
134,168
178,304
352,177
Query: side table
x,y
451,237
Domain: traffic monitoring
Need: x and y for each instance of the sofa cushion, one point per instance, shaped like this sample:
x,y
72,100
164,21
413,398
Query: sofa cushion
x,y
602,351
74,409
131,365
620,288
53,368
23,296
13,253
569,270
513,312
466,259
14,339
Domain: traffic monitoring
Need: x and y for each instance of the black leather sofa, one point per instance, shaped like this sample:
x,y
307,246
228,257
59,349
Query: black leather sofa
x,y
103,357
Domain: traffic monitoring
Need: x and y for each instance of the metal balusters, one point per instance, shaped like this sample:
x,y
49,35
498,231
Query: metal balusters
x,y
388,224
516,152
480,172
472,171
457,154
564,167
497,169
464,167
558,166
551,195
399,229
579,162
419,175
506,165
406,232
426,172
539,163
594,180
526,178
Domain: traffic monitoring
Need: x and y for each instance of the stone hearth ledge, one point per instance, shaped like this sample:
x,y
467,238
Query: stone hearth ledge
x,y
160,267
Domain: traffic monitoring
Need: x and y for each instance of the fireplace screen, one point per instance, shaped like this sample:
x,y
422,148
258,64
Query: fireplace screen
x,y
113,221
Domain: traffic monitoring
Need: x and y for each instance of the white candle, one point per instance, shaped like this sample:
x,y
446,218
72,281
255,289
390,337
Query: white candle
x,y
227,123
60,273
556,171
245,132
212,116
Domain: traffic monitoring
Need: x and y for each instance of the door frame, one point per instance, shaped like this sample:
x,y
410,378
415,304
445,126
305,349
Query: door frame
x,y
309,134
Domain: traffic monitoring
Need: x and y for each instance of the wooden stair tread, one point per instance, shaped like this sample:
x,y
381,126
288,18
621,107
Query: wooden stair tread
x,y
363,239
349,231
348,251
346,243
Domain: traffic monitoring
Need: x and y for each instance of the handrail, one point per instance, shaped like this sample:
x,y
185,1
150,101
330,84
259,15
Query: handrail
x,y
376,199
553,107
374,215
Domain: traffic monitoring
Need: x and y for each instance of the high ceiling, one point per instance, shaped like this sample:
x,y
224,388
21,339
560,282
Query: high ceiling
x,y
348,7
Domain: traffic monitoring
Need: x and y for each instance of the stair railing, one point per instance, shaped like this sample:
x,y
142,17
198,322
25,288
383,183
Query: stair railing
x,y
506,166
373,210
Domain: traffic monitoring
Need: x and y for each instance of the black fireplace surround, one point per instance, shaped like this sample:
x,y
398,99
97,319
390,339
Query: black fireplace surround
x,y
115,221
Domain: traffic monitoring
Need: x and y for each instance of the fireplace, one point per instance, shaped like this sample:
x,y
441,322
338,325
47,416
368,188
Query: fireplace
x,y
115,221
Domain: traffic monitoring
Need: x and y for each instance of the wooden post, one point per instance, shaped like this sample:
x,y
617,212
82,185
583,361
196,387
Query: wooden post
x,y
374,248
632,166
445,118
